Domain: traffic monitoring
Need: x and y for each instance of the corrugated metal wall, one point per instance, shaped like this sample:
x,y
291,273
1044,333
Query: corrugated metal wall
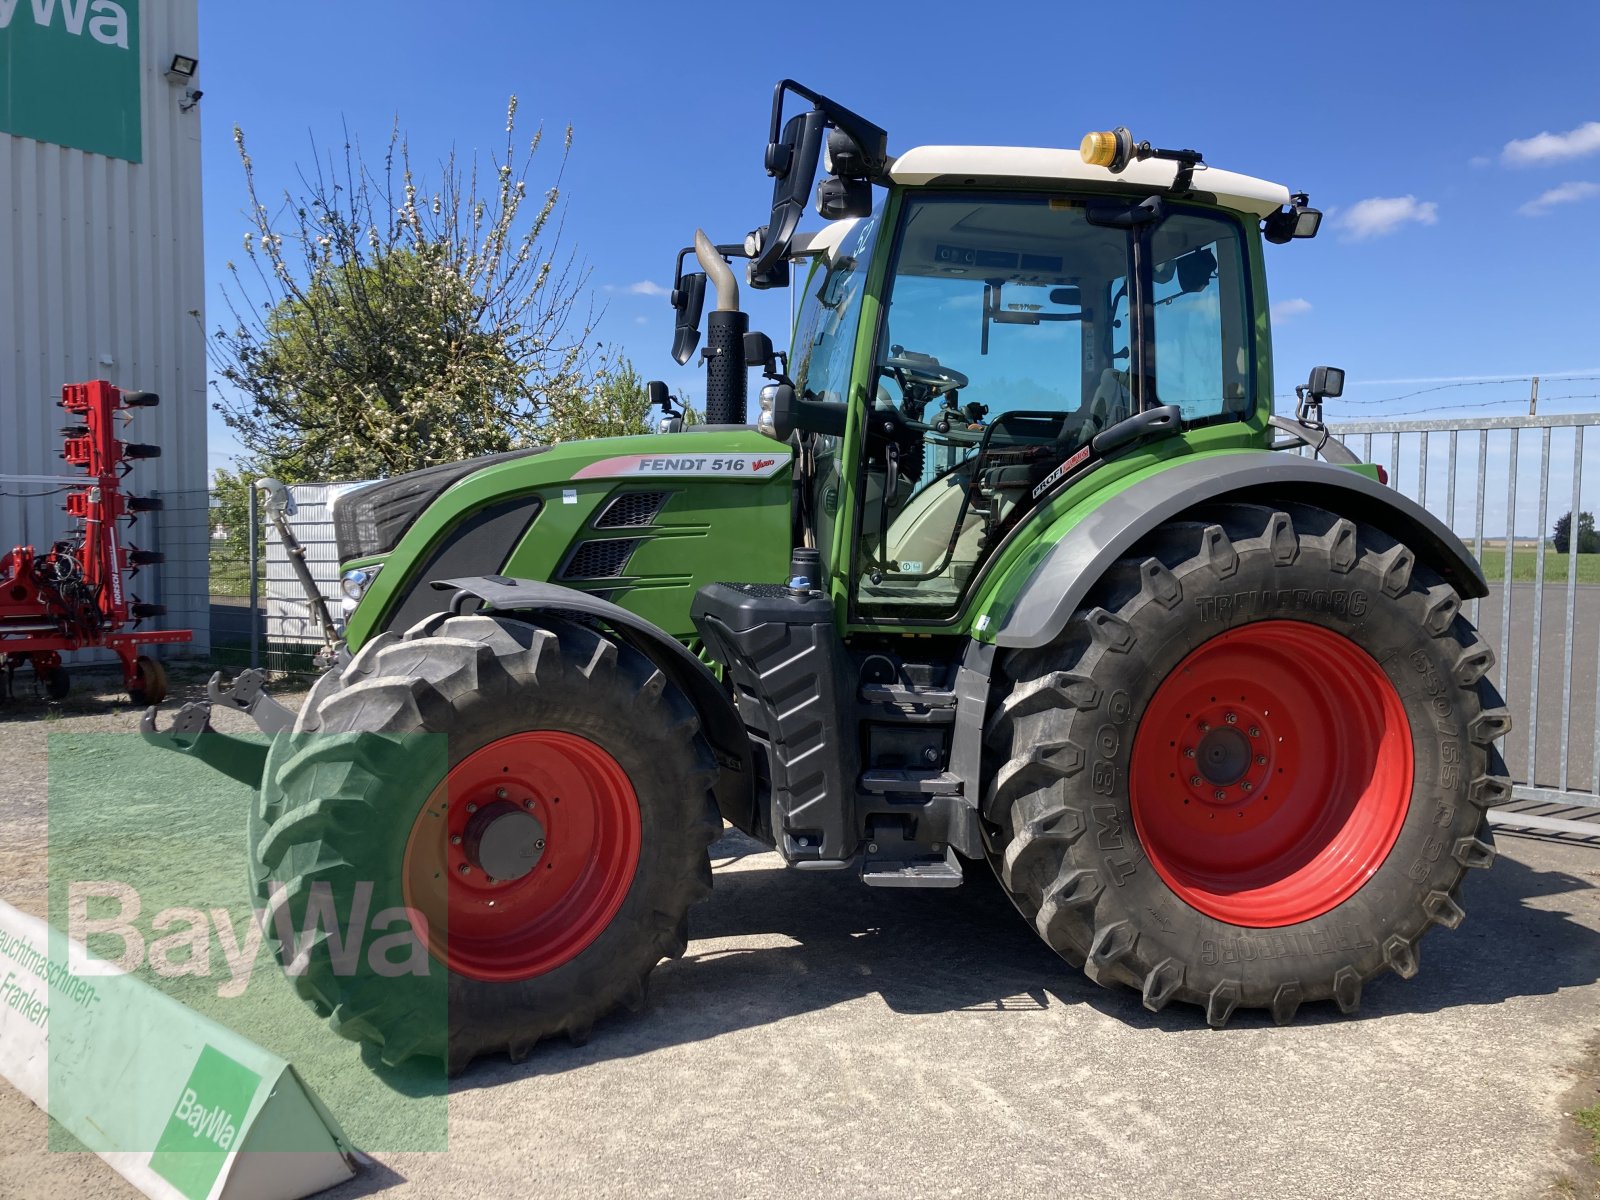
x,y
102,277
289,619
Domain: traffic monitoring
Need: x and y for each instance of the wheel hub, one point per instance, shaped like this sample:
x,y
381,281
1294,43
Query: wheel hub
x,y
503,841
1224,755
1272,770
524,853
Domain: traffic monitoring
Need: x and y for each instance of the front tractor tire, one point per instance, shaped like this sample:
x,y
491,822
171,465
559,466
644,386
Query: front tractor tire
x,y
1253,769
551,834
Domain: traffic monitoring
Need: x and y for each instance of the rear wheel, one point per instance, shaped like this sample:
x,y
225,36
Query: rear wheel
x,y
1253,770
550,836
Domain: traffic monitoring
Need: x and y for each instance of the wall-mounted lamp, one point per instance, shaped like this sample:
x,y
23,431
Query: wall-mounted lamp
x,y
182,69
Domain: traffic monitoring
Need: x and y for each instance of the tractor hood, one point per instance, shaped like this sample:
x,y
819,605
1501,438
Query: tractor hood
x,y
642,520
370,520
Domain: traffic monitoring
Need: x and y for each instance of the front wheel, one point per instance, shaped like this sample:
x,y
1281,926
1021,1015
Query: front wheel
x,y
536,800
1253,770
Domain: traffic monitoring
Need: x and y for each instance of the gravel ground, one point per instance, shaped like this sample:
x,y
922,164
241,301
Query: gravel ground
x,y
823,1038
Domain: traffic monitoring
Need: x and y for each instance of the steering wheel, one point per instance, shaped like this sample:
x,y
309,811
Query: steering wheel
x,y
909,367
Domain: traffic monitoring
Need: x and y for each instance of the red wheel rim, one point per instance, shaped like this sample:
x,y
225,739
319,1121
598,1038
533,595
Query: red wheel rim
x,y
1271,773
579,854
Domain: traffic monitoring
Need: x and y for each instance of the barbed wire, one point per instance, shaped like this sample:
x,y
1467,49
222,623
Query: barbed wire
x,y
1516,402
1459,383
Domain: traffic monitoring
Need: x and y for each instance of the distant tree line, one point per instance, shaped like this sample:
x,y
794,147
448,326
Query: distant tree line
x,y
1588,538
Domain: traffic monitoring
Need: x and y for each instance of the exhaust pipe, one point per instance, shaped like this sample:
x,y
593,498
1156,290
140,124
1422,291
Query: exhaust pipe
x,y
727,385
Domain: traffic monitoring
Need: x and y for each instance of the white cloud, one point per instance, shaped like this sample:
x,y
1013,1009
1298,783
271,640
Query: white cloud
x,y
1567,193
1284,309
641,320
1479,161
1552,147
644,287
1380,215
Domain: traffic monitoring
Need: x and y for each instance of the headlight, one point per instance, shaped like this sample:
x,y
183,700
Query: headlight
x,y
764,419
355,582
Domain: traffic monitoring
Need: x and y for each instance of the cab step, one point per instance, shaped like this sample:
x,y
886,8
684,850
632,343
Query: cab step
x,y
912,873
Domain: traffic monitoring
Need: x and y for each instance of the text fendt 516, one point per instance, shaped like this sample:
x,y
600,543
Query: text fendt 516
x,y
1015,565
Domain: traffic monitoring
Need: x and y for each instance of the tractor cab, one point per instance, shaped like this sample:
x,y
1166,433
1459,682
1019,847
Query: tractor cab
x,y
978,330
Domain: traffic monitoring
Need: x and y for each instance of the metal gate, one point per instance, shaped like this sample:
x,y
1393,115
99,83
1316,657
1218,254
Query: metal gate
x,y
1502,483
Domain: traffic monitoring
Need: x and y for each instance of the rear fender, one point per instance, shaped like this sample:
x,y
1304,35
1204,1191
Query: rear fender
x,y
719,720
1061,581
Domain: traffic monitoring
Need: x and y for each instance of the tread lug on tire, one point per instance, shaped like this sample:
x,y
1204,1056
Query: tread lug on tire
x,y
1162,983
1286,1002
1221,1002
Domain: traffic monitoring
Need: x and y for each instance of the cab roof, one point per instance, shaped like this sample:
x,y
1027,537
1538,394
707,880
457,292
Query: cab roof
x,y
983,165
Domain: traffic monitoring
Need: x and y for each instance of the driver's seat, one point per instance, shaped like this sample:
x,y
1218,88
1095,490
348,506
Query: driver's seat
x,y
1111,402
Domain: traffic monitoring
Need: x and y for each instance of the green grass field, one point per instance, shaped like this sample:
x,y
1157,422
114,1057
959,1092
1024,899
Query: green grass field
x,y
1524,563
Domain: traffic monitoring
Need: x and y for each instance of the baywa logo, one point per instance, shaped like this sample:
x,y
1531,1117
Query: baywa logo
x,y
105,20
205,1124
389,942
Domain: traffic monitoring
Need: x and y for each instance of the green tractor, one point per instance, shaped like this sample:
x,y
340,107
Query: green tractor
x,y
1015,564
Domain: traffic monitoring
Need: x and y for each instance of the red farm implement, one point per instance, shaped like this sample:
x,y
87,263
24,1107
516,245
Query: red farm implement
x,y
74,596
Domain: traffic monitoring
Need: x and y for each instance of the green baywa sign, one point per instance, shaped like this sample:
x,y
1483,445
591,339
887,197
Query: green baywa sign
x,y
69,74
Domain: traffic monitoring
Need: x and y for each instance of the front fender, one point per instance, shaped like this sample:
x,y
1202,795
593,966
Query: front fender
x,y
1058,585
719,719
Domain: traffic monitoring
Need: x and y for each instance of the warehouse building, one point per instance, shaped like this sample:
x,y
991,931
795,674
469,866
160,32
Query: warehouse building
x,y
101,265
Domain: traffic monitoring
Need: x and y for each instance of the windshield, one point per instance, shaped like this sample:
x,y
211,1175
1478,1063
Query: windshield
x,y
1011,336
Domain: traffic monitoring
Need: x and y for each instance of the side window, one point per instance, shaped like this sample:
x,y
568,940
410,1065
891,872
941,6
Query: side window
x,y
1200,316
824,353
830,314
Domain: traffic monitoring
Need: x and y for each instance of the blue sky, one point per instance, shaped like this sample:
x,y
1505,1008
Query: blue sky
x,y
1428,133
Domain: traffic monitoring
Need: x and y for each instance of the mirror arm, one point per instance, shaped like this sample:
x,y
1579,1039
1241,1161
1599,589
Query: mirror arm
x,y
872,140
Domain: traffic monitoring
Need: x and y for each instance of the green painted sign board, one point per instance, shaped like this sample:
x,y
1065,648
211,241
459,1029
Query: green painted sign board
x,y
205,1123
69,74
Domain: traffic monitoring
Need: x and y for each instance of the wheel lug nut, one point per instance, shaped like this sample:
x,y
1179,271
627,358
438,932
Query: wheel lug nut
x,y
539,845
455,839
472,808
1248,786
1255,731
1231,718
1188,751
1205,726
1261,760
1194,781
463,868
528,803
499,793
1219,794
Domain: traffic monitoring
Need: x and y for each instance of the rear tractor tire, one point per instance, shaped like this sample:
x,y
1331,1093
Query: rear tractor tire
x,y
1254,768
551,834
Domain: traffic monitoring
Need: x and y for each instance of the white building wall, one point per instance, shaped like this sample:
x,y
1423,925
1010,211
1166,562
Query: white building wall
x,y
102,277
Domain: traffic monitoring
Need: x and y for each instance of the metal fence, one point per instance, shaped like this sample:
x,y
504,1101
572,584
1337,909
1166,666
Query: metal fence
x,y
1502,483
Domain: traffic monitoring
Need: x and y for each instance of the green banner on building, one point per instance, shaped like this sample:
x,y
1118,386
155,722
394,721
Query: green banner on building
x,y
69,74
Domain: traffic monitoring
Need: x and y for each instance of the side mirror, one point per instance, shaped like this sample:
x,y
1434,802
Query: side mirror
x,y
688,298
792,162
1326,383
